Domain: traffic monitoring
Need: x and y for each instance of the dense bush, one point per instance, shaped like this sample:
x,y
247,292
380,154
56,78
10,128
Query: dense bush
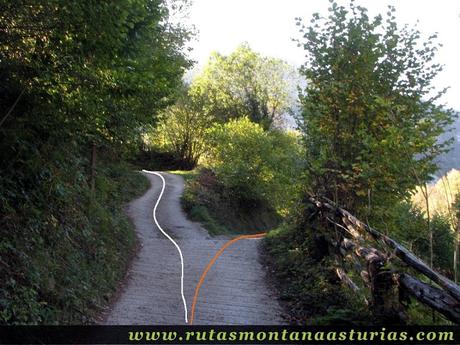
x,y
255,164
63,249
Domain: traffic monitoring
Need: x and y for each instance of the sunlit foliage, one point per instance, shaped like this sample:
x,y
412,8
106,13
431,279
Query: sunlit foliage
x,y
370,115
245,84
255,164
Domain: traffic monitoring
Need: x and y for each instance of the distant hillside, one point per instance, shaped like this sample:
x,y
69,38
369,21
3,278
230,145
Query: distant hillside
x,y
450,160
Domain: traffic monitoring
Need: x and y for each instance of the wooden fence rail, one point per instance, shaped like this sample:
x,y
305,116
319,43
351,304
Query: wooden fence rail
x,y
359,242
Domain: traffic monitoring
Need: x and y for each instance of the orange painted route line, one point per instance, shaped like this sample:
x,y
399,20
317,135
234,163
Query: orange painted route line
x,y
211,263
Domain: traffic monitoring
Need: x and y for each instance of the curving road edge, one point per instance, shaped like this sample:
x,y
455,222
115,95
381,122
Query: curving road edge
x,y
235,291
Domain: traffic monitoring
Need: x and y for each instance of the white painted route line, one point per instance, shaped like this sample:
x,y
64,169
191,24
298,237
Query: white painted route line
x,y
170,238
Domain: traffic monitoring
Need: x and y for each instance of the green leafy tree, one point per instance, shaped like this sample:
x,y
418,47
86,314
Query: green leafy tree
x,y
74,76
78,75
95,71
245,84
181,130
370,116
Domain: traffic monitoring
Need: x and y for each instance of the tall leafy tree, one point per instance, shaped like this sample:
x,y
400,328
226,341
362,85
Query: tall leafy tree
x,y
370,116
81,74
94,70
181,131
245,84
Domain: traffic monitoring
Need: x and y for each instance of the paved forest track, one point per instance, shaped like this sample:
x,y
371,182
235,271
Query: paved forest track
x,y
234,292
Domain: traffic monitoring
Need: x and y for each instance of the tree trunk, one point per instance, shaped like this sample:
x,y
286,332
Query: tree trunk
x,y
93,168
457,230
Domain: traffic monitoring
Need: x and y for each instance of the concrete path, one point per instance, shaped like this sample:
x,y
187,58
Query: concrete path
x,y
234,292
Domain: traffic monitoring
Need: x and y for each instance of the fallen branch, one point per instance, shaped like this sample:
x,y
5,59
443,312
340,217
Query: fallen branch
x,y
12,107
346,279
436,298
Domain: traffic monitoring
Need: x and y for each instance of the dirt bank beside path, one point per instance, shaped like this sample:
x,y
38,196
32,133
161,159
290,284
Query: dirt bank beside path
x,y
234,292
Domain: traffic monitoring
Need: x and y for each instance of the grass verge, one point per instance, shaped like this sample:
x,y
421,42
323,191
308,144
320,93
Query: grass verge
x,y
207,201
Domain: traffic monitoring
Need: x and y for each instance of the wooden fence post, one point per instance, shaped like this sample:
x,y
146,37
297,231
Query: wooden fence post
x,y
385,290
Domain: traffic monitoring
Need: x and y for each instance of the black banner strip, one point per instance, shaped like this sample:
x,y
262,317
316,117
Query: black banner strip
x,y
229,335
